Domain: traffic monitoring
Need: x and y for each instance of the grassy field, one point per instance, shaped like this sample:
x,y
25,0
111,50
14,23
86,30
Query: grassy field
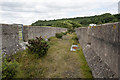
x,y
20,35
59,62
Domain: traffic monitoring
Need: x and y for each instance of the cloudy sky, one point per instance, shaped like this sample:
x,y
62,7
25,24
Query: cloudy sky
x,y
28,11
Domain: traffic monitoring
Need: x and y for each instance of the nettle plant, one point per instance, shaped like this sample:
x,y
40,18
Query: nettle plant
x,y
38,46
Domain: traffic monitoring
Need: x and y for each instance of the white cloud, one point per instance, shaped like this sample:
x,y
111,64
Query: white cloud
x,y
27,12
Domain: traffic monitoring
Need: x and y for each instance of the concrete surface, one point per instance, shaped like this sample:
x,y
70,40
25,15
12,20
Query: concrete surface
x,y
100,46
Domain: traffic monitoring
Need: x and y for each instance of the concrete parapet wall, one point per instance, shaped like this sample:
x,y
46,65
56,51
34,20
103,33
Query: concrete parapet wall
x,y
0,39
9,38
101,46
9,35
31,32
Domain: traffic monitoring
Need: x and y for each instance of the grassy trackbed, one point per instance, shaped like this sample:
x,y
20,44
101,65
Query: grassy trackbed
x,y
59,62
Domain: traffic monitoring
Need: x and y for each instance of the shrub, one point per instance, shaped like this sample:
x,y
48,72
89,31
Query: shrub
x,y
75,38
52,38
64,33
38,46
59,35
71,30
9,68
74,43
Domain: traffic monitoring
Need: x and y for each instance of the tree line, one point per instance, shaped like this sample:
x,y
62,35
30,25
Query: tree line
x,y
79,21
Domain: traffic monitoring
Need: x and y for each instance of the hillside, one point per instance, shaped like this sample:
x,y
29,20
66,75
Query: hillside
x,y
84,21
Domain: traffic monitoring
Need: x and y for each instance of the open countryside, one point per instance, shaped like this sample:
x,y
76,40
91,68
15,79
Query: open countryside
x,y
60,48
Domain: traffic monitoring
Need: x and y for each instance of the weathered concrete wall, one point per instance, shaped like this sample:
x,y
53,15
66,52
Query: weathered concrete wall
x,y
9,35
31,32
0,38
9,38
0,52
100,46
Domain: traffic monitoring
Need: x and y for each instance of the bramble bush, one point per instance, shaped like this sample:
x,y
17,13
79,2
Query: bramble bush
x,y
38,46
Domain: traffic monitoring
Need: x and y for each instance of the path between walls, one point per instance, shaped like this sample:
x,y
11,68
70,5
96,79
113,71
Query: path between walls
x,y
61,62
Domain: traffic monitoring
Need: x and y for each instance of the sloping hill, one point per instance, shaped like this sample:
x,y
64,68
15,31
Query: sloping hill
x,y
84,21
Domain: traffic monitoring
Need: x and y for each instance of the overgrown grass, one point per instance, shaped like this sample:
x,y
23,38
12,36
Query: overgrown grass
x,y
20,35
59,62
85,70
29,65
